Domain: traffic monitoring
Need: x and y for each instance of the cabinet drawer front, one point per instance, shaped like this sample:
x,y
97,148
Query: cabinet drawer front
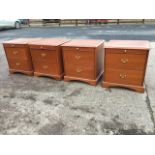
x,y
20,65
127,61
85,58
42,47
79,71
14,45
126,51
44,55
130,77
78,49
17,53
45,68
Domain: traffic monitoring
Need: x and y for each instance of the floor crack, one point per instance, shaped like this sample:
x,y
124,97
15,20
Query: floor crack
x,y
148,102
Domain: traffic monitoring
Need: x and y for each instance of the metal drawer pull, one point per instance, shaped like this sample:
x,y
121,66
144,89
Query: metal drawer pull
x,y
12,45
43,54
15,52
78,70
41,46
124,61
125,51
77,57
45,67
123,76
17,64
77,48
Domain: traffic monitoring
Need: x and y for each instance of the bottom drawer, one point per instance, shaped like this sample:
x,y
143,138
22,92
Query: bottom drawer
x,y
46,68
22,65
128,77
79,71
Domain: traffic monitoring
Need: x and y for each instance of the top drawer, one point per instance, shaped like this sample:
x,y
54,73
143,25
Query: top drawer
x,y
78,49
126,51
85,58
17,53
14,45
42,47
125,61
44,55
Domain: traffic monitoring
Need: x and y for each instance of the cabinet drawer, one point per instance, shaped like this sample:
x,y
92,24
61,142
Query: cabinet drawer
x,y
17,53
125,51
130,77
79,71
78,49
44,55
20,65
42,47
85,58
45,67
14,45
127,61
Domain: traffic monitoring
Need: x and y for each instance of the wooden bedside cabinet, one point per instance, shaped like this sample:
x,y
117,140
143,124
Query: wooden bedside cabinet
x,y
125,64
18,55
83,60
47,57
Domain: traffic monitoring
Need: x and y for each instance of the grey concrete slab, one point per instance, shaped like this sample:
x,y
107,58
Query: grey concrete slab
x,y
31,105
150,82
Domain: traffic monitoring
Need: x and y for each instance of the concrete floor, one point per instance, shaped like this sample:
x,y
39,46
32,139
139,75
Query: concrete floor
x,y
31,105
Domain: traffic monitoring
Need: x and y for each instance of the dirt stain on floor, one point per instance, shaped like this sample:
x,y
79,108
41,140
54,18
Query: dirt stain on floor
x,y
52,129
85,108
91,128
75,92
52,101
31,97
131,132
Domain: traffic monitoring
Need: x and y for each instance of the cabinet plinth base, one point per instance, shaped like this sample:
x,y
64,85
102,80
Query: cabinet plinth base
x,y
12,71
56,77
139,89
89,81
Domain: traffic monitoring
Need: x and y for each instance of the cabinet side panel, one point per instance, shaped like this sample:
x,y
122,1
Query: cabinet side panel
x,y
145,69
60,58
99,59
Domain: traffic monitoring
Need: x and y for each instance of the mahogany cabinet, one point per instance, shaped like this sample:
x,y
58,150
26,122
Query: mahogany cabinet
x,y
18,55
47,57
125,64
83,60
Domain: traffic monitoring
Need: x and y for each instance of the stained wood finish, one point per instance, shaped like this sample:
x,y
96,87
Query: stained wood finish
x,y
80,71
22,65
47,57
125,64
44,55
126,61
128,77
80,57
83,60
18,55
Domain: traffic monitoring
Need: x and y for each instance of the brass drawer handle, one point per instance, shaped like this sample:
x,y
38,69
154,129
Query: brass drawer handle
x,y
78,70
125,51
124,61
15,52
123,76
41,46
77,48
12,45
43,54
45,67
17,64
77,57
